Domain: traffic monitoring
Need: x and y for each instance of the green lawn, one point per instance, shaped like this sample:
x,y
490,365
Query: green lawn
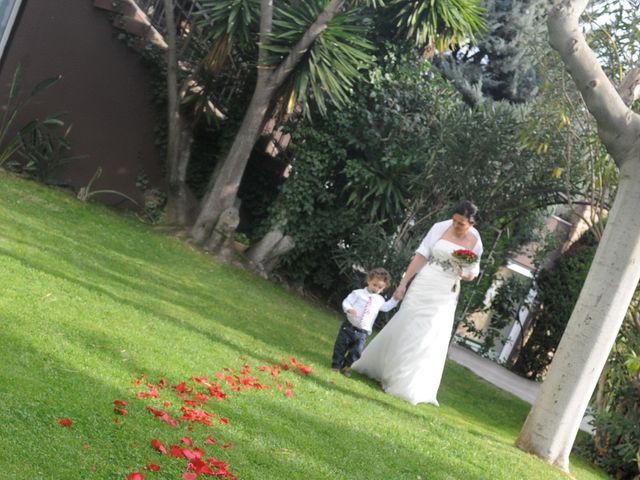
x,y
92,301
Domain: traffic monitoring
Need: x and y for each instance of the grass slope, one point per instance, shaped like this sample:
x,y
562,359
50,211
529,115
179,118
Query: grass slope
x,y
91,301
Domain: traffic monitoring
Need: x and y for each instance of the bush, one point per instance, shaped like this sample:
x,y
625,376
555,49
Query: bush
x,y
553,309
616,444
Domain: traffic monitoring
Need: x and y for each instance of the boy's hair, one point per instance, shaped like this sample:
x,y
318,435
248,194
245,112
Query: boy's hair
x,y
379,273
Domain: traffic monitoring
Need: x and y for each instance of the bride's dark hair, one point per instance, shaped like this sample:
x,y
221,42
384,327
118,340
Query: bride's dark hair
x,y
468,210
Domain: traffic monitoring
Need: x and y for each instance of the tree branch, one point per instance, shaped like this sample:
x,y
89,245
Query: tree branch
x,y
266,24
629,89
294,57
618,126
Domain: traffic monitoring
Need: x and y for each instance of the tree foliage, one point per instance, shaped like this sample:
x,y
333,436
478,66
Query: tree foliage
x,y
616,443
502,64
405,152
553,310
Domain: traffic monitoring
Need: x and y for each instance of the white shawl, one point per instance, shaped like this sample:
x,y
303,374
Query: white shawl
x,y
436,232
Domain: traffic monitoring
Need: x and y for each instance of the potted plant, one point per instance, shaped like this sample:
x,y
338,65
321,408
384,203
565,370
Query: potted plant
x,y
240,242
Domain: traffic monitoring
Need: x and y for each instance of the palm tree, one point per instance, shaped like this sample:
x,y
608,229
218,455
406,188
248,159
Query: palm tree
x,y
311,49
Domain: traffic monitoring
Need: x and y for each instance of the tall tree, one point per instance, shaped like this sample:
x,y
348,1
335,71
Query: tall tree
x,y
502,65
331,71
554,420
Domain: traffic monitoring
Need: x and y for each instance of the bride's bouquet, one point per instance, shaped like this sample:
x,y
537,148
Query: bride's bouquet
x,y
462,258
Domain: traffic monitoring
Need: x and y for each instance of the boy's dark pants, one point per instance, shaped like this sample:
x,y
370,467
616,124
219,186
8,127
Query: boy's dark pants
x,y
349,345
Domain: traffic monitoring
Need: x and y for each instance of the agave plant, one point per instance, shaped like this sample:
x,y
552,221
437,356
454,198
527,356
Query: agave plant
x,y
334,61
15,104
438,23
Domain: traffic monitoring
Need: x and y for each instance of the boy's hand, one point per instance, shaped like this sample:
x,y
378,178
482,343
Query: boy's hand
x,y
400,291
352,312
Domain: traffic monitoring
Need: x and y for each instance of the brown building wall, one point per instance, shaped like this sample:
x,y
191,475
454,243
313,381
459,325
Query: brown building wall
x,y
104,90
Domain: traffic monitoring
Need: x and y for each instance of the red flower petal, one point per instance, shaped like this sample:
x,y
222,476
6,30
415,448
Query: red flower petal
x,y
135,476
189,476
210,440
120,411
304,369
152,467
120,403
155,443
227,445
176,451
288,393
65,422
224,421
186,441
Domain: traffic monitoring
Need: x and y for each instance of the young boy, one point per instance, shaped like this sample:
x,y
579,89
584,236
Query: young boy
x,y
362,307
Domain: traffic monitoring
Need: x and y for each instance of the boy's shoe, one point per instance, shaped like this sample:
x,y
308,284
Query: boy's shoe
x,y
346,371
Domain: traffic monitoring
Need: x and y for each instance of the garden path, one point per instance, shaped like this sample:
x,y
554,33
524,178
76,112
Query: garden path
x,y
502,378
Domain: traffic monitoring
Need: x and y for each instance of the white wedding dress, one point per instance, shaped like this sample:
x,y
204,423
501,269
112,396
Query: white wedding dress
x,y
407,357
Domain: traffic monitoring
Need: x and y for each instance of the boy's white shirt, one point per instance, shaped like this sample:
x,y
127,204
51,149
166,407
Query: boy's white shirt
x,y
358,300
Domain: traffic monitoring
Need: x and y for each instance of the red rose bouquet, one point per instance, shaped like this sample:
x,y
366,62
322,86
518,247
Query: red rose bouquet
x,y
462,258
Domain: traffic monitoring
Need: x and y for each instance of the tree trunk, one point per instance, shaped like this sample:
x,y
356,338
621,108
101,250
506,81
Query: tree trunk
x,y
554,420
223,193
180,136
180,200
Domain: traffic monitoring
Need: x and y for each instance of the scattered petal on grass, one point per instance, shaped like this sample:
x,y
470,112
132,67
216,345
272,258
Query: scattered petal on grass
x,y
176,451
65,422
157,444
194,454
304,369
200,468
192,395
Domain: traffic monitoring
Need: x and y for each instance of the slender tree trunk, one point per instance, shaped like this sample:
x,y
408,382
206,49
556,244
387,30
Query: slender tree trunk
x,y
179,196
554,420
180,135
225,188
223,193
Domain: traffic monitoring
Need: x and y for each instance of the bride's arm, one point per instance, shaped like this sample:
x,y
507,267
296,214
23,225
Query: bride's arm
x,y
417,262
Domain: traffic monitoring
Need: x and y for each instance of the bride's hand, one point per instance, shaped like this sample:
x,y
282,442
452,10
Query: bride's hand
x,y
400,291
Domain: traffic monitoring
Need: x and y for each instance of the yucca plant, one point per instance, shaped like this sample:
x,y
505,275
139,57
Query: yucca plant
x,y
9,145
439,24
310,49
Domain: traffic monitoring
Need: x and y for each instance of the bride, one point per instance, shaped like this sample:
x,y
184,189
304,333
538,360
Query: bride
x,y
408,355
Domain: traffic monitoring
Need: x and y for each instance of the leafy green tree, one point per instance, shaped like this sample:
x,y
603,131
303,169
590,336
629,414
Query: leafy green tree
x,y
391,163
319,47
502,64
